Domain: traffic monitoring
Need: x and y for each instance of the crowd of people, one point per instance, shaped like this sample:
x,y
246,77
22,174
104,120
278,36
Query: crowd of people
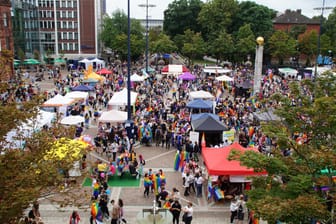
x,y
161,118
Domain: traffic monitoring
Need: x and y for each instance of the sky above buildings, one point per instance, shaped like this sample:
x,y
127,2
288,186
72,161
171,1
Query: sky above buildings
x,y
307,7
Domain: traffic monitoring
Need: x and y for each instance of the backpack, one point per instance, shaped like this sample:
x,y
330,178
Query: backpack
x,y
240,209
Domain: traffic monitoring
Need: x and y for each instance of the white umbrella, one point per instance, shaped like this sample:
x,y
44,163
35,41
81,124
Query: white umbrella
x,y
72,120
224,78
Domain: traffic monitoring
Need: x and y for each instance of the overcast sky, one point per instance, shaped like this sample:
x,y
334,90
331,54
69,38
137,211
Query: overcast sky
x,y
307,6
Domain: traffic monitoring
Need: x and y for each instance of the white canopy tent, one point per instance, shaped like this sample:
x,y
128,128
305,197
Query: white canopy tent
x,y
86,62
288,72
120,98
15,137
137,78
201,94
113,116
99,63
77,95
72,120
224,78
58,101
216,70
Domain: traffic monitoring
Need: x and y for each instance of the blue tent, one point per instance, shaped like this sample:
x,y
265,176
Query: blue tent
x,y
203,115
83,88
200,104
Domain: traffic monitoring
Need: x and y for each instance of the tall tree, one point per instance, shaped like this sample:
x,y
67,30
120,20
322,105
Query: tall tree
x,y
180,16
163,44
193,46
114,35
308,44
221,47
282,45
258,16
216,16
245,42
303,159
330,29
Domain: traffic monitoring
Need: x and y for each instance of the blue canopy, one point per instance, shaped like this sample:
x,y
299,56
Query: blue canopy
x,y
200,104
203,115
83,88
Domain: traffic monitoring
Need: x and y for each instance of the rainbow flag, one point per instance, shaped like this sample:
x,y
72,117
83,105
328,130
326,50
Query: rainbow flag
x,y
210,190
219,194
94,209
162,180
177,161
167,205
147,182
155,184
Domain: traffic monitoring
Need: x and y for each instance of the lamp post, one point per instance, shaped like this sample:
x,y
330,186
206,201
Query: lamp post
x,y
319,33
129,122
147,6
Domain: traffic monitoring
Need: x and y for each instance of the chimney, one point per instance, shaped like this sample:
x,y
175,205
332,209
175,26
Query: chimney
x,y
298,11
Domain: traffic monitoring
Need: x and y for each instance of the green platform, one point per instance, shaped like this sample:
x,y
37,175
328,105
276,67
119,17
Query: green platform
x,y
116,181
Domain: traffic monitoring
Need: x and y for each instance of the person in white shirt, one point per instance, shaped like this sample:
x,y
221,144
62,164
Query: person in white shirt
x,y
188,213
199,180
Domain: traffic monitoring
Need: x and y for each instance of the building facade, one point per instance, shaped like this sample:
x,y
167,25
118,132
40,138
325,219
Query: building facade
x,y
291,19
58,28
6,34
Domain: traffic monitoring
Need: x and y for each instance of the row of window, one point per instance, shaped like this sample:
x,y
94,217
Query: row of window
x,y
68,47
60,25
67,36
59,14
59,3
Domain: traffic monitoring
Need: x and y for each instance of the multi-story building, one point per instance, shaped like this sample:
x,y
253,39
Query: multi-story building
x,y
56,28
6,34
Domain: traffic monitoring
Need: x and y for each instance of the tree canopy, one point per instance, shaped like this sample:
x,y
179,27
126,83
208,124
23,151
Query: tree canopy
x,y
180,16
294,189
282,45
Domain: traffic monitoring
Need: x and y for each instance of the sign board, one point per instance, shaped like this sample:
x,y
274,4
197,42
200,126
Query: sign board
x,y
229,135
193,136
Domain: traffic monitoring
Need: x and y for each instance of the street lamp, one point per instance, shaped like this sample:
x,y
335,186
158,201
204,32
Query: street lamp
x,y
319,33
147,6
129,122
258,65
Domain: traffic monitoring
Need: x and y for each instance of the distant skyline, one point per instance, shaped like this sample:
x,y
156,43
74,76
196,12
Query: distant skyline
x,y
307,7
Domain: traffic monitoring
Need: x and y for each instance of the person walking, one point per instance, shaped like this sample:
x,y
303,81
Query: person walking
x,y
233,209
241,209
115,212
74,218
188,213
121,211
199,180
176,211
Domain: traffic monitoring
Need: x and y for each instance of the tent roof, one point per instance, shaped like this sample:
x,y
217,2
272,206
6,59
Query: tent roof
x,y
113,116
104,71
203,115
217,163
266,116
201,94
83,88
120,98
57,101
187,76
77,95
174,69
137,78
200,104
224,78
208,124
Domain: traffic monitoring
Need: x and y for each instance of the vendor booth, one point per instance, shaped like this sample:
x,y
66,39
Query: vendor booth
x,y
58,103
174,69
119,99
201,94
227,178
113,116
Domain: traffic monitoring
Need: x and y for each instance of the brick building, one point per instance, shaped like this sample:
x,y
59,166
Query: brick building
x,y
290,19
6,34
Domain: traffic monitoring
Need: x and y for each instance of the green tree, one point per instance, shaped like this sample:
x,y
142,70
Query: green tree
x,y
193,46
26,173
308,44
330,29
282,46
163,44
114,35
222,47
297,30
258,16
291,192
180,16
245,42
216,16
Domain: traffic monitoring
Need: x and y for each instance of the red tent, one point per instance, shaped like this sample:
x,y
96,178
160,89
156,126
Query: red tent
x,y
217,163
104,71
178,69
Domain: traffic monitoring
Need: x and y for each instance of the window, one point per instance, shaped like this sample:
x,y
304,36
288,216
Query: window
x,y
74,3
69,4
76,47
75,25
59,36
63,5
76,36
64,26
70,36
65,36
65,46
5,20
63,14
70,46
58,24
8,43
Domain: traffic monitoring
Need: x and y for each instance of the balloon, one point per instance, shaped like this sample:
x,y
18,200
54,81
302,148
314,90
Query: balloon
x,y
102,175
